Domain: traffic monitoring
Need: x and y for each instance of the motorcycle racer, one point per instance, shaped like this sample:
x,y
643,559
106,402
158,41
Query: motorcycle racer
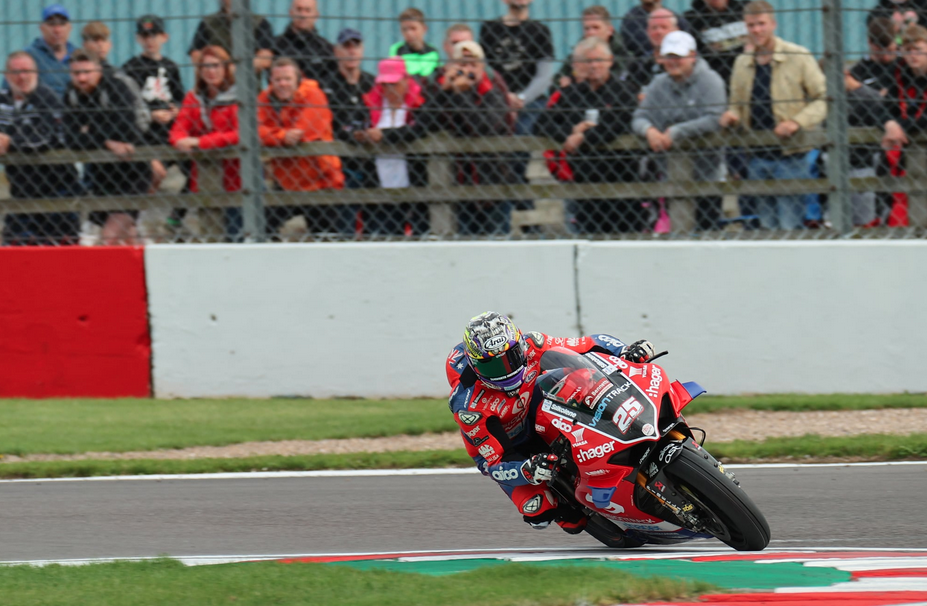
x,y
492,374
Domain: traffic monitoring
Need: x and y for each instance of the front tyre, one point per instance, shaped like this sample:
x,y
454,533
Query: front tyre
x,y
725,509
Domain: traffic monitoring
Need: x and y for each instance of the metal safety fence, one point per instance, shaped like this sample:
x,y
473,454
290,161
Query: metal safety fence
x,y
706,121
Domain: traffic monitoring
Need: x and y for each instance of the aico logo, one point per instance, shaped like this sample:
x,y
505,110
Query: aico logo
x,y
562,425
597,452
656,377
487,451
505,474
608,340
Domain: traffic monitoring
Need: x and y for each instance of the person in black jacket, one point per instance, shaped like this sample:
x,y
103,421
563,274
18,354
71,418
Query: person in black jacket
x,y
301,42
877,69
468,103
30,122
587,117
719,27
100,115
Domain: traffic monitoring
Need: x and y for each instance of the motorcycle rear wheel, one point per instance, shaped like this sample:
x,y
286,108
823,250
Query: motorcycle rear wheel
x,y
732,516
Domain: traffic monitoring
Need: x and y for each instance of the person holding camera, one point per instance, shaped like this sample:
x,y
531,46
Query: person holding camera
x,y
469,104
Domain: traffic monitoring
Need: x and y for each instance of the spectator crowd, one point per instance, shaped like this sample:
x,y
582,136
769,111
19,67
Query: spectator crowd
x,y
665,77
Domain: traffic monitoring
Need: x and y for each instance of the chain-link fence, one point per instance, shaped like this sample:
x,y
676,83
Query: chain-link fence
x,y
721,120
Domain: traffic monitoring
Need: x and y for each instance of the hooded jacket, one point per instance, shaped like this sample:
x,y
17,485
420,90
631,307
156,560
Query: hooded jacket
x,y
215,123
721,35
307,111
689,109
52,73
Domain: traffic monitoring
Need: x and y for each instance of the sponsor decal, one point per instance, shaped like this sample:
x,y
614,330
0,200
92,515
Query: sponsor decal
x,y
549,406
540,428
603,404
478,441
533,505
635,520
659,486
637,372
479,396
613,508
645,455
519,405
629,410
668,452
573,342
618,362
605,366
597,472
469,418
597,392
596,453
609,341
473,432
531,376
645,527
486,450
536,338
557,341
496,342
656,377
562,425
502,475
578,436
504,411
647,429
653,470
455,355
513,427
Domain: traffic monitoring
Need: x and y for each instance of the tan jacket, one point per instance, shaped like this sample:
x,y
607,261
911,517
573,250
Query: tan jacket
x,y
798,89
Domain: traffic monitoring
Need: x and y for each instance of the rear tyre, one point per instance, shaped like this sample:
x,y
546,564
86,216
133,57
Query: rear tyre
x,y
608,534
728,513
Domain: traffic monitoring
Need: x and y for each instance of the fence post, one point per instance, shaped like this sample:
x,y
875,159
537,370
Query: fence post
x,y
246,86
838,154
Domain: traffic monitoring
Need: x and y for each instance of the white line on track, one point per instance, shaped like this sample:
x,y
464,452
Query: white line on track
x,y
515,554
355,473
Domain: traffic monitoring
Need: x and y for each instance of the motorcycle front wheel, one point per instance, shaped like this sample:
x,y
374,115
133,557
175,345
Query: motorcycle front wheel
x,y
726,511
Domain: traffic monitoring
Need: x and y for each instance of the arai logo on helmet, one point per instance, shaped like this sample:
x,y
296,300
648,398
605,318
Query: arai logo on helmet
x,y
496,342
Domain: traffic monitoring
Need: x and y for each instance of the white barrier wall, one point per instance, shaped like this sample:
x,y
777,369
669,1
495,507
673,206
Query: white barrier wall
x,y
328,320
377,320
768,317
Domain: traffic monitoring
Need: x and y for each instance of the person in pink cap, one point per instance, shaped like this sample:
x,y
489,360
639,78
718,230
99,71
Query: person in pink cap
x,y
393,102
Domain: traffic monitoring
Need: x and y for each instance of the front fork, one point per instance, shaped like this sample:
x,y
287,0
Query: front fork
x,y
653,482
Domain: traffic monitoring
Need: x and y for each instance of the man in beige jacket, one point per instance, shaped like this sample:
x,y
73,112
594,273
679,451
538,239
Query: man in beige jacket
x,y
776,86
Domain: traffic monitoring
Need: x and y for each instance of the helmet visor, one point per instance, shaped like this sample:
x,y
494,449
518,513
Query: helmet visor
x,y
503,370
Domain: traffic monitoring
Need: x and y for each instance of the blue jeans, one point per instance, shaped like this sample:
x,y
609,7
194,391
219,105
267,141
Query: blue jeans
x,y
780,212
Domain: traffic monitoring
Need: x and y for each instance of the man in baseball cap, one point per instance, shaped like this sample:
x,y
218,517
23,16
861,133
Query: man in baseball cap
x,y
149,25
52,51
349,35
685,102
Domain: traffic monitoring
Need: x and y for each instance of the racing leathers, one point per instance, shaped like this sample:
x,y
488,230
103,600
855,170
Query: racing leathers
x,y
498,428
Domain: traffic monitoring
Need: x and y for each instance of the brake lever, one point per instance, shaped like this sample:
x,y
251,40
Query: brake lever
x,y
659,355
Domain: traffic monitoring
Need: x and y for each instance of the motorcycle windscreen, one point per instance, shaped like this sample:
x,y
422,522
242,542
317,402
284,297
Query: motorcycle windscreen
x,y
612,405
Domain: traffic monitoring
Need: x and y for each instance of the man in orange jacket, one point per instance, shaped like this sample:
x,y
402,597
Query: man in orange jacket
x,y
294,110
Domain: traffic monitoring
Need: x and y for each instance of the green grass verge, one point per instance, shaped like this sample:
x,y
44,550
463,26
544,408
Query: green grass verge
x,y
801,403
74,426
85,425
259,584
869,447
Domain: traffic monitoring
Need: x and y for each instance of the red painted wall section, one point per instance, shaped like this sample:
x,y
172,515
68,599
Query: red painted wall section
x,y
74,322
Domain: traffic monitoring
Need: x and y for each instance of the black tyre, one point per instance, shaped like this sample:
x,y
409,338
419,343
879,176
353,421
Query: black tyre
x,y
608,534
727,511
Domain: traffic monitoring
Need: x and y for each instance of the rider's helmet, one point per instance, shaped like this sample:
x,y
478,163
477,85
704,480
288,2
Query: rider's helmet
x,y
496,351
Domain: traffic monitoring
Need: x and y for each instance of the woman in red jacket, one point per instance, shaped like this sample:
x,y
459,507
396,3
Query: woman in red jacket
x,y
208,119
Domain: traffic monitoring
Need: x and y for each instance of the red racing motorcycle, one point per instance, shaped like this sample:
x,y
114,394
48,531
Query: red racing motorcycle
x,y
630,462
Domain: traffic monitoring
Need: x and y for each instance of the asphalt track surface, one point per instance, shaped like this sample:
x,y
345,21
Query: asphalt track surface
x,y
826,507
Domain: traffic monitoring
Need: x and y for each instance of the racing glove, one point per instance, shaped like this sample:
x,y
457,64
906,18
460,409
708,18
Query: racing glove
x,y
540,468
638,352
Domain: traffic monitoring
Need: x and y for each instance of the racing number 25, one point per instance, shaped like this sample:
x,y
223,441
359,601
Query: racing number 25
x,y
626,413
